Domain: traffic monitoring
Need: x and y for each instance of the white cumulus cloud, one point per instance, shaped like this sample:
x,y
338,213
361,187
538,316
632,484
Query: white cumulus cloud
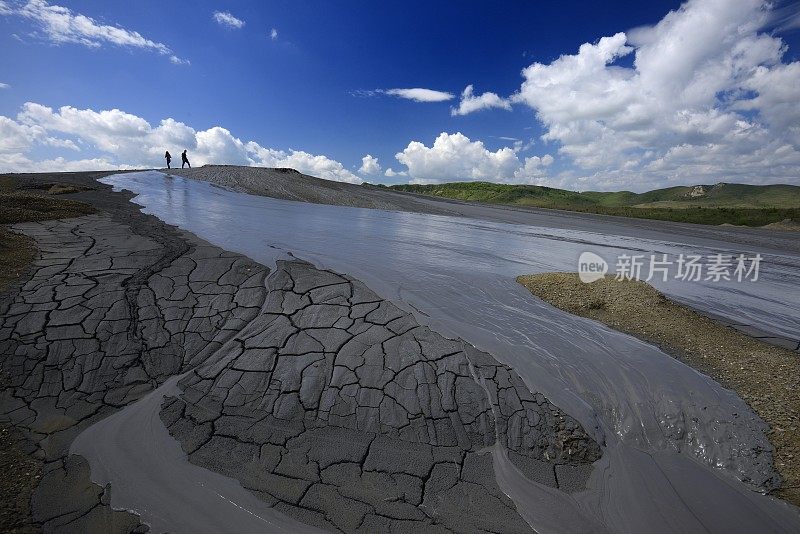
x,y
273,34
707,98
227,20
391,173
4,85
455,157
61,25
471,103
534,168
369,165
14,137
314,165
125,140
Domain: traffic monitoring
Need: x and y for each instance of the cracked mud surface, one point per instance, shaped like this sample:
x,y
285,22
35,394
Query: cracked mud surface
x,y
324,400
105,318
342,411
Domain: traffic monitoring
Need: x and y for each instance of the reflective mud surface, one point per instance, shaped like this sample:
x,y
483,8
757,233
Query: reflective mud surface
x,y
677,446
161,484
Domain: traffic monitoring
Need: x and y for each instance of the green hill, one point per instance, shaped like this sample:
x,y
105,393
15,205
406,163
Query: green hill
x,y
740,204
528,195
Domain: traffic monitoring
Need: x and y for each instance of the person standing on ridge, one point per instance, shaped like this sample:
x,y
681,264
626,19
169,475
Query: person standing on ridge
x,y
185,160
168,157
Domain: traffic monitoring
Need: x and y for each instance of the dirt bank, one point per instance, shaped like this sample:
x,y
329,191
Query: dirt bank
x,y
765,376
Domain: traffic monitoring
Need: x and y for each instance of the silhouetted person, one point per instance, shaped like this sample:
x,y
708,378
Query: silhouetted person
x,y
168,158
185,160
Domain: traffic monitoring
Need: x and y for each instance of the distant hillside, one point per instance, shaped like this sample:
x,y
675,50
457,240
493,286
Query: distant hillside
x,y
752,205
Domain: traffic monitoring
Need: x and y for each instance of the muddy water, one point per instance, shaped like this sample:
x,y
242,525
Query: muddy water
x,y
677,446
151,475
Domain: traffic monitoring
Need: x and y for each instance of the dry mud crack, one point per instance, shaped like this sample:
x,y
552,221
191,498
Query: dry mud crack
x,y
326,401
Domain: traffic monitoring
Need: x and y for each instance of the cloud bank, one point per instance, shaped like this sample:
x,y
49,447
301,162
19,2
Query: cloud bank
x,y
708,98
127,141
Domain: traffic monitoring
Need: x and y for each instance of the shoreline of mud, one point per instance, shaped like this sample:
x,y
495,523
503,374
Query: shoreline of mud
x,y
765,376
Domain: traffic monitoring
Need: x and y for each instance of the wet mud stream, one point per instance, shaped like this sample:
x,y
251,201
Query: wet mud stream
x,y
680,453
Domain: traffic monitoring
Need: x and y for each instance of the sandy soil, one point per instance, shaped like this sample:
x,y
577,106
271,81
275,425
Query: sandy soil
x,y
785,225
765,376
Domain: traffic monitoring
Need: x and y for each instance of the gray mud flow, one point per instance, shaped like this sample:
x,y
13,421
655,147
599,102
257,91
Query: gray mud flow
x,y
133,446
681,453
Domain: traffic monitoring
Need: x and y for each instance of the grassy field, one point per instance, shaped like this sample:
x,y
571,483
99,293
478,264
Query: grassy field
x,y
738,204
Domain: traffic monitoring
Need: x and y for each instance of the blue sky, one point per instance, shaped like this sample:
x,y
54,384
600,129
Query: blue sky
x,y
317,85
